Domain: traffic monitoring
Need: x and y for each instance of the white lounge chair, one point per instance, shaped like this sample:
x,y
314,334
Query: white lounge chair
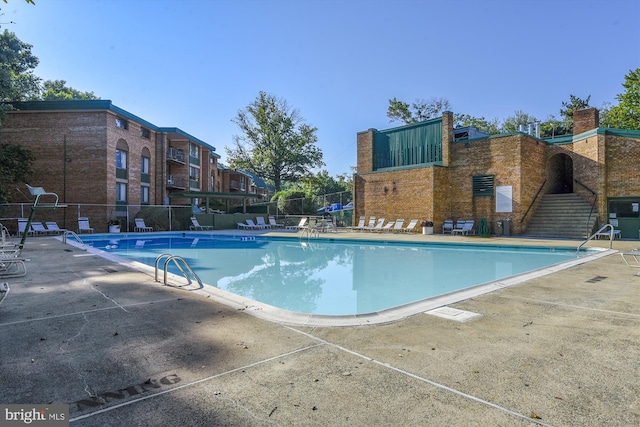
x,y
465,230
387,227
301,225
196,225
397,227
274,224
371,224
378,225
360,225
412,224
83,225
252,225
53,228
141,226
260,222
243,226
616,234
38,228
447,227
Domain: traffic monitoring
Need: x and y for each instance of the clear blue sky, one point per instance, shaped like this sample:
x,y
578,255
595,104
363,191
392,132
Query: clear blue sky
x,y
193,64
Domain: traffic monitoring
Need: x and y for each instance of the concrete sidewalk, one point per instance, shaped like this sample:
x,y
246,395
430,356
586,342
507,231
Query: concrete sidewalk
x,y
123,350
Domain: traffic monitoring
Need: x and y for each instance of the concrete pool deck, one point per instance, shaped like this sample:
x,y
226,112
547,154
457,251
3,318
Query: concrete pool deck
x,y
122,350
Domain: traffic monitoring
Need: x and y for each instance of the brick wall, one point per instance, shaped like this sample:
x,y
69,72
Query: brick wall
x,y
584,120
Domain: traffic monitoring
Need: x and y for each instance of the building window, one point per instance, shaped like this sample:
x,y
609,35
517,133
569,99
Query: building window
x,y
144,167
121,159
194,151
121,192
122,123
145,133
194,173
483,185
144,195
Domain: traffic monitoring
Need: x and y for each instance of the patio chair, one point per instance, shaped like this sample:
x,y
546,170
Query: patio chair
x,y
252,225
465,230
11,266
412,224
371,225
52,227
616,234
397,227
447,227
301,225
274,224
22,227
141,226
196,225
243,226
360,225
386,228
261,222
38,228
378,225
83,225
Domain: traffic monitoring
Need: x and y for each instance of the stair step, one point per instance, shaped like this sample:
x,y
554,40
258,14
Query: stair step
x,y
562,215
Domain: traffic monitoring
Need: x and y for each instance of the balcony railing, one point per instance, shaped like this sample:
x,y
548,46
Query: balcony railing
x,y
176,182
175,155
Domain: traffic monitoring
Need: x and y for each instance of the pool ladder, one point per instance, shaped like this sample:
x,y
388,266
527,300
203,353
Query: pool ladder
x,y
67,233
182,265
599,232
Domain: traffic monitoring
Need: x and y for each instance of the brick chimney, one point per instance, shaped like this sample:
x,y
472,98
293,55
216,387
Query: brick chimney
x,y
584,120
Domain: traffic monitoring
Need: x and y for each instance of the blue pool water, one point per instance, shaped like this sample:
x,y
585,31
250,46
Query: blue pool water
x,y
334,277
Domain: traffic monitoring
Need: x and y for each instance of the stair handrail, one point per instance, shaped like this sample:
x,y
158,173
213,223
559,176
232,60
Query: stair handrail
x,y
611,235
593,205
533,201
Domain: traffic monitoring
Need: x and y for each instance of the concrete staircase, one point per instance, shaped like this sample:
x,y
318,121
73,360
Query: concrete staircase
x,y
561,216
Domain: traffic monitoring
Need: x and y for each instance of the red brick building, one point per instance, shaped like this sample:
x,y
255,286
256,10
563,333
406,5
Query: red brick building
x,y
433,171
93,152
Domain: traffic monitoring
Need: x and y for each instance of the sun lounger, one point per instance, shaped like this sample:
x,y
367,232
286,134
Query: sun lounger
x,y
360,225
412,224
274,224
447,227
83,225
397,227
52,227
196,225
38,228
260,222
301,225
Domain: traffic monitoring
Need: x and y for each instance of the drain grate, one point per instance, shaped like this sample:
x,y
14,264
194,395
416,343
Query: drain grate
x,y
596,279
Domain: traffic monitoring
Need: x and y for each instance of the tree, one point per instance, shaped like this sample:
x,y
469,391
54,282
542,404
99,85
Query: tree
x,y
512,123
17,81
493,126
626,115
419,111
275,143
15,166
56,90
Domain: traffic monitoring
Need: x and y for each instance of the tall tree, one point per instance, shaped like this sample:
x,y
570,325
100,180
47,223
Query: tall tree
x,y
626,115
15,166
17,80
418,111
512,123
275,143
56,90
491,126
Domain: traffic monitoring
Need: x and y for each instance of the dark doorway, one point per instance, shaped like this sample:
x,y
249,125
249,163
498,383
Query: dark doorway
x,y
560,174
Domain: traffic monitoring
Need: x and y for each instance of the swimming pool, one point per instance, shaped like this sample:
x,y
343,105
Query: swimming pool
x,y
339,277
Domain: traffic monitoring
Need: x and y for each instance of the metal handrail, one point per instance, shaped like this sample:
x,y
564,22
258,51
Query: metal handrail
x,y
177,260
611,236
533,201
75,236
593,205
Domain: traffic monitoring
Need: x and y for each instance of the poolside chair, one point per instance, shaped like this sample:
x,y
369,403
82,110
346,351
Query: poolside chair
x,y
397,227
83,225
52,227
11,266
616,234
141,226
22,227
360,225
371,224
243,226
261,222
412,224
274,224
252,225
378,225
447,227
301,225
196,225
38,228
386,228
465,230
